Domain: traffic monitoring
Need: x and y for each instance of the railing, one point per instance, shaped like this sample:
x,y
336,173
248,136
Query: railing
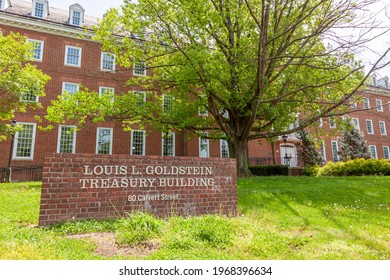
x,y
290,161
22,173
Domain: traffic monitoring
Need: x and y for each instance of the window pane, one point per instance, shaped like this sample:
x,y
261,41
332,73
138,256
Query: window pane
x,y
203,147
108,61
224,149
168,144
24,141
66,141
104,138
76,18
167,103
137,143
71,88
335,151
73,56
39,10
140,68
386,153
373,151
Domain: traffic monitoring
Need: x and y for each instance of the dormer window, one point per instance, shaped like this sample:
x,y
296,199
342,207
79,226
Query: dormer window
x,y
40,8
76,15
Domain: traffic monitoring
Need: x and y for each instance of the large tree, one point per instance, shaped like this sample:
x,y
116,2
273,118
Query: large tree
x,y
256,66
352,143
18,79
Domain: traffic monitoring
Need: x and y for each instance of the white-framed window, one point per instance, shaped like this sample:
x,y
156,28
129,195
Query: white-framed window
x,y
168,144
355,123
29,97
204,146
167,102
141,96
40,8
107,62
73,56
382,128
224,146
373,151
66,139
139,68
70,88
76,15
320,122
366,103
37,52
106,90
323,151
332,122
370,128
335,151
386,152
138,141
379,106
25,142
104,141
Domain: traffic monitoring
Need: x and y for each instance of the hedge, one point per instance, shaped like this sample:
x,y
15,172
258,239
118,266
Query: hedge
x,y
356,167
269,170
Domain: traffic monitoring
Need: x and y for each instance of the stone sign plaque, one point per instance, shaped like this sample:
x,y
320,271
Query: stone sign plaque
x,y
87,186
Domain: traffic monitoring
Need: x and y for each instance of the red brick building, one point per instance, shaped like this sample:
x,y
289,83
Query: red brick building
x,y
65,51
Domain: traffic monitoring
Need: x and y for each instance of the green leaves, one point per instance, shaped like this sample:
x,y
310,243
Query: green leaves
x,y
17,78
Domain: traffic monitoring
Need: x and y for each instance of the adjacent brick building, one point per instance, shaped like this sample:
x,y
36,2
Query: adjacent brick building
x,y
65,51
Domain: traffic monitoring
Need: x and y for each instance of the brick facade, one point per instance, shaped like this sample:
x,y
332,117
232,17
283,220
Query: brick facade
x,y
77,187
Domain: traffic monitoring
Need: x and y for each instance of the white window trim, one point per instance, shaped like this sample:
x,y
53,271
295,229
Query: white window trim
x,y
208,146
357,124
42,48
379,107
66,56
97,138
102,88
143,141
45,8
29,101
321,123
64,83
384,128
136,74
372,127
102,59
74,138
72,9
368,103
376,152
337,149
332,122
388,152
323,151
14,157
173,142
220,148
141,92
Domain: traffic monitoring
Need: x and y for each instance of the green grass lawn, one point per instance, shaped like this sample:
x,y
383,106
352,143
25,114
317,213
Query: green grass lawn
x,y
280,218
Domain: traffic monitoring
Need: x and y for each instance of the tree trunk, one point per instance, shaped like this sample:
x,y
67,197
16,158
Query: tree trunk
x,y
239,150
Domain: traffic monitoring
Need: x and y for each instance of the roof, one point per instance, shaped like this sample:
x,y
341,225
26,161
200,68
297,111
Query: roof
x,y
24,8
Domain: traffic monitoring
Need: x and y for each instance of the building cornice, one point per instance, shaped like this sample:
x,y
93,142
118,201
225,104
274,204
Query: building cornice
x,y
45,26
377,90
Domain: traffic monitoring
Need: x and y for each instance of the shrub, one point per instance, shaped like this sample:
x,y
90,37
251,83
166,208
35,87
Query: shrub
x,y
356,167
311,170
269,170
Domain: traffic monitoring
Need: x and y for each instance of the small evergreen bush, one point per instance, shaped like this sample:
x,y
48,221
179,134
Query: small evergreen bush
x,y
356,167
269,170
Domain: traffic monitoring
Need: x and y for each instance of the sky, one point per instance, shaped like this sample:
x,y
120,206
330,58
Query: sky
x,y
91,7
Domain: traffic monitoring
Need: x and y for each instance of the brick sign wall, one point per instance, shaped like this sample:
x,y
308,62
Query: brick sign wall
x,y
87,186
